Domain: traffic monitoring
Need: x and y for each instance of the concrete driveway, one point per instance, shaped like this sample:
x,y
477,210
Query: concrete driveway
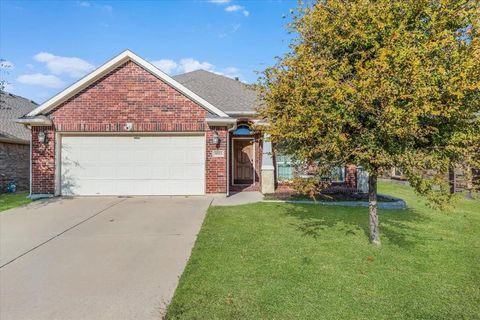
x,y
95,258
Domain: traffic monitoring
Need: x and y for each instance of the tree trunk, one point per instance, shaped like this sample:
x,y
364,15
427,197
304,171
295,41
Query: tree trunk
x,y
372,208
451,178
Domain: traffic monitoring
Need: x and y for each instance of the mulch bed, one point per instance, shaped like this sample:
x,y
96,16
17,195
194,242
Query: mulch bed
x,y
330,196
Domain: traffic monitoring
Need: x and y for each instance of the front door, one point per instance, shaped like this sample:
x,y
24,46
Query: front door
x,y
243,161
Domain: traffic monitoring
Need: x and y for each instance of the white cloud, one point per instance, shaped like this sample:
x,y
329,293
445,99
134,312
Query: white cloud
x,y
233,8
219,1
107,8
231,72
166,65
189,65
236,7
40,79
184,65
72,66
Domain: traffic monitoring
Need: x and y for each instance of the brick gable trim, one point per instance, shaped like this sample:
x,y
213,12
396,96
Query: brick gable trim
x,y
111,65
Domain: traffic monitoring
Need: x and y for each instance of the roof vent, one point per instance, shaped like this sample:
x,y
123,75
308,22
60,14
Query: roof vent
x,y
237,79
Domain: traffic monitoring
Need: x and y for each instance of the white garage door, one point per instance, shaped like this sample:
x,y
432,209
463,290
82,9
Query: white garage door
x,y
128,165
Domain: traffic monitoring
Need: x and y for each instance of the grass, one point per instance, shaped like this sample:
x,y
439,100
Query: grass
x,y
12,200
290,261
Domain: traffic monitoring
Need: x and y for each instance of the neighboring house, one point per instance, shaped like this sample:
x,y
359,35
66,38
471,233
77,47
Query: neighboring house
x,y
130,129
14,141
457,178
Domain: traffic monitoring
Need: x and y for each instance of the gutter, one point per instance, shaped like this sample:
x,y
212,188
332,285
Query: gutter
x,y
35,121
241,113
221,121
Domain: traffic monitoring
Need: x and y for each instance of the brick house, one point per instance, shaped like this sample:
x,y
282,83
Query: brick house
x,y
14,142
130,129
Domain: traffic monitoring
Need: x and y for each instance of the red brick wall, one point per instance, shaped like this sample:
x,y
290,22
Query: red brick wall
x,y
216,167
351,176
43,161
127,94
14,165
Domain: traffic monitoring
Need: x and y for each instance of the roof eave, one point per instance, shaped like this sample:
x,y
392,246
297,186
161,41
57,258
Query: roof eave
x,y
35,121
13,140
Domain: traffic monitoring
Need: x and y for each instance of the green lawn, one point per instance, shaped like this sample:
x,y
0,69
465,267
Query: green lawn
x,y
12,200
286,261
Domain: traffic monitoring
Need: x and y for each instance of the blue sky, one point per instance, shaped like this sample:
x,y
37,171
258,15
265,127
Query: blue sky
x,y
51,44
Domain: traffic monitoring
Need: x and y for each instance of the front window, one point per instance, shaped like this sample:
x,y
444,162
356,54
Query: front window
x,y
397,172
284,168
338,174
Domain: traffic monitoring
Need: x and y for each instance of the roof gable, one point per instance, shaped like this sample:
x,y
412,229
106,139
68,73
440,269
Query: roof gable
x,y
110,66
12,107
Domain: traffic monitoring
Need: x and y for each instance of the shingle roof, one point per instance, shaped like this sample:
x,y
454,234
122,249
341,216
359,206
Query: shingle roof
x,y
224,93
13,107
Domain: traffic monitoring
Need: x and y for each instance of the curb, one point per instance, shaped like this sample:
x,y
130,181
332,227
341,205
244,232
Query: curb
x,y
39,196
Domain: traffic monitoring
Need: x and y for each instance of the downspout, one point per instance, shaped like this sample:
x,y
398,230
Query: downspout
x,y
30,156
228,157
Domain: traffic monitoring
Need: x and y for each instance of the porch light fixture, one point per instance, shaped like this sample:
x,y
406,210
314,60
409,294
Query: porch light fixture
x,y
215,138
41,136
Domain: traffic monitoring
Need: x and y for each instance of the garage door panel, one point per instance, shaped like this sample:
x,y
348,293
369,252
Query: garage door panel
x,y
177,172
174,156
104,156
121,165
158,156
159,173
102,172
195,156
194,171
139,155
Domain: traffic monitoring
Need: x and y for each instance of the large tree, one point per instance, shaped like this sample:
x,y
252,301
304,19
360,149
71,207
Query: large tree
x,y
380,83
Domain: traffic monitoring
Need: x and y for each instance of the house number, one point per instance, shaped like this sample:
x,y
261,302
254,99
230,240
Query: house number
x,y
218,154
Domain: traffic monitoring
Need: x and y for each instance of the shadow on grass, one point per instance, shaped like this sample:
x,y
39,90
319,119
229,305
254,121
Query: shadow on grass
x,y
395,225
